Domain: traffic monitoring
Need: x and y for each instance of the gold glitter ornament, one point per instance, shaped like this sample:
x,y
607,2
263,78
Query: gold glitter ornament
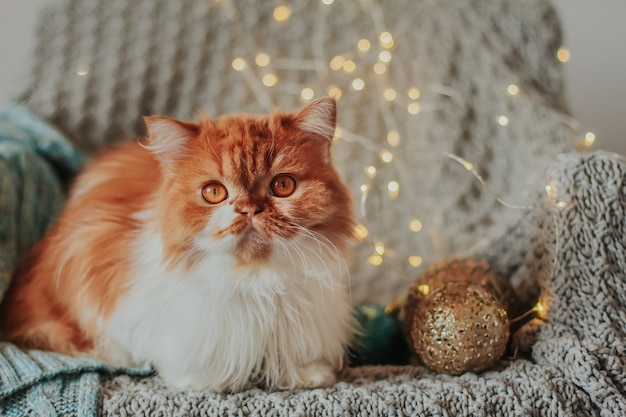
x,y
456,316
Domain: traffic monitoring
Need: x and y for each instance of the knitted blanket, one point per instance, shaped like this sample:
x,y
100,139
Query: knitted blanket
x,y
452,120
36,161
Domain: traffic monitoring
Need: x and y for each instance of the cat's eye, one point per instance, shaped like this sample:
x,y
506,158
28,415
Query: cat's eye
x,y
214,193
283,185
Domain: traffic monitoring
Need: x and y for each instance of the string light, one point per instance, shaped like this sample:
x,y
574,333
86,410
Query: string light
x,y
563,54
512,89
415,225
384,56
413,93
82,70
360,231
551,191
590,138
393,138
262,60
363,45
393,188
358,84
335,92
307,93
355,62
414,108
370,171
379,68
386,156
348,66
390,94
270,80
239,64
375,260
424,289
379,248
282,13
541,308
416,261
337,62
386,40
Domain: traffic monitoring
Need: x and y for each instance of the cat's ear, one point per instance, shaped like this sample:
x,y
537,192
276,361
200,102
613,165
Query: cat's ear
x,y
319,117
168,137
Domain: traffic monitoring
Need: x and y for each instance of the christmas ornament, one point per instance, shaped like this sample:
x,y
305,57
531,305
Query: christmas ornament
x,y
456,316
380,340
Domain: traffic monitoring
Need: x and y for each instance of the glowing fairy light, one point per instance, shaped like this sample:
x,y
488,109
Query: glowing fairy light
x,y
379,68
375,260
386,156
541,308
370,171
414,93
468,165
360,231
270,80
414,108
551,191
512,89
364,188
415,225
416,261
562,54
503,120
328,2
338,132
390,94
385,40
393,138
307,93
239,64
424,289
335,92
82,70
348,66
590,138
282,13
262,59
358,84
337,62
379,248
384,56
393,188
363,45
561,204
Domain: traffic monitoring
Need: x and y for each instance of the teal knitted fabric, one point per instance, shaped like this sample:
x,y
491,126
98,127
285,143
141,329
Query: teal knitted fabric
x,y
36,162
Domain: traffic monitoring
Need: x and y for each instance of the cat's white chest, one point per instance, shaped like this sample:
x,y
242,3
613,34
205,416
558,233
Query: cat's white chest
x,y
222,327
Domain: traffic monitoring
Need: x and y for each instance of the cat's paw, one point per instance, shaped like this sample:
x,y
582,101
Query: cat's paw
x,y
315,375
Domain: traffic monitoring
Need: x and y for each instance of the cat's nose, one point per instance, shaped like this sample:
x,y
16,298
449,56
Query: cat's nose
x,y
251,211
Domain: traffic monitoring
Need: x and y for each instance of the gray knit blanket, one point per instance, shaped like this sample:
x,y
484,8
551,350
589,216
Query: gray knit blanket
x,y
454,139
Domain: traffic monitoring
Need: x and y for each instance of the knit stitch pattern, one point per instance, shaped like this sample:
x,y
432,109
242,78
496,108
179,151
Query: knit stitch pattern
x,y
145,57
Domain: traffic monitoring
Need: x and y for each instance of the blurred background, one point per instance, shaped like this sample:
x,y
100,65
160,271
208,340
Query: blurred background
x,y
595,71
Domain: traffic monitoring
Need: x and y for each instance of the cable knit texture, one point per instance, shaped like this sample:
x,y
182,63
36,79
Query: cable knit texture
x,y
471,163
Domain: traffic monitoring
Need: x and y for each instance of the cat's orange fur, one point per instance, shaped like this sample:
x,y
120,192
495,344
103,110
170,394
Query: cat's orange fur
x,y
75,278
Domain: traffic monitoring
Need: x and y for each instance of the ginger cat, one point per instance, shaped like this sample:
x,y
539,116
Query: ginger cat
x,y
215,251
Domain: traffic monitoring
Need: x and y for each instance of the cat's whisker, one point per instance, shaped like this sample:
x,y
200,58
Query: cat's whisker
x,y
325,247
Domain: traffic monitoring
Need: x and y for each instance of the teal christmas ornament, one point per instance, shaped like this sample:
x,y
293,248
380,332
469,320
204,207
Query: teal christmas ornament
x,y
379,340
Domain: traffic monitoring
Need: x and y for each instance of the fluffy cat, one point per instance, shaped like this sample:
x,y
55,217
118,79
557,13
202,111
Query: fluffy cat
x,y
215,251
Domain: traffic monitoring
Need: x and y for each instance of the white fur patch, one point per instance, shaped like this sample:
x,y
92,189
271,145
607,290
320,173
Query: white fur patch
x,y
224,327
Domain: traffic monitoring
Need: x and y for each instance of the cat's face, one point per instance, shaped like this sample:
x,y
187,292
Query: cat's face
x,y
246,184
